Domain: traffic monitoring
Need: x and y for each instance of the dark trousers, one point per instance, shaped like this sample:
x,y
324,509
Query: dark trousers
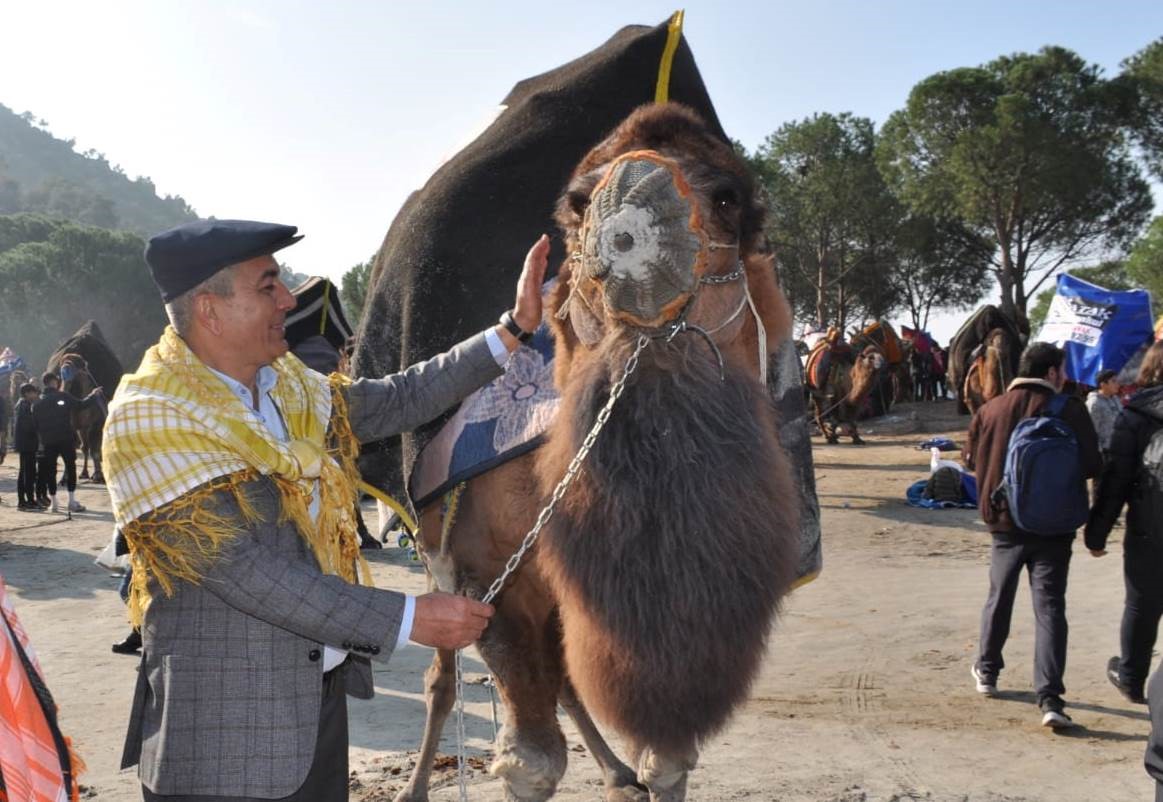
x,y
1143,577
1153,759
1047,560
46,480
327,779
26,479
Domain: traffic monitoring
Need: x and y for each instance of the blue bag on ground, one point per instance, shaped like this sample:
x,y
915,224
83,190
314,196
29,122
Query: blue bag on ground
x,y
1043,486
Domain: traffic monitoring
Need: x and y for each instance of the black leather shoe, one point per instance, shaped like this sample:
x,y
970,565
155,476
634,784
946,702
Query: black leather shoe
x,y
130,645
1131,694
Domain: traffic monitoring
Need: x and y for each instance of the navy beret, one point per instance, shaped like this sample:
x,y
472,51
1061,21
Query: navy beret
x,y
183,257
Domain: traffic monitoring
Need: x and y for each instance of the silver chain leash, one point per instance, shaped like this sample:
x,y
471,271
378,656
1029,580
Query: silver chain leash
x,y
571,473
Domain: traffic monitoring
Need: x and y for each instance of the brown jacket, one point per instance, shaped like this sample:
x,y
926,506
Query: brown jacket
x,y
989,438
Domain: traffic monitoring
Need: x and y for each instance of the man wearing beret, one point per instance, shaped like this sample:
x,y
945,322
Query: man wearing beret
x,y
231,469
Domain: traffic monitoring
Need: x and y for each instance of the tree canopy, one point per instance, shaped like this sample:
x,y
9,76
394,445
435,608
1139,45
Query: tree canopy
x,y
55,275
1143,75
353,290
1030,152
1145,262
939,265
829,217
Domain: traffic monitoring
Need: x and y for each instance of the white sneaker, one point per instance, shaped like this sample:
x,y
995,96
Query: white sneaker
x,y
983,685
1054,713
76,506
53,506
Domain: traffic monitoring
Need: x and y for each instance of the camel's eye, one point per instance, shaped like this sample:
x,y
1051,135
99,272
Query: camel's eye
x,y
725,199
578,201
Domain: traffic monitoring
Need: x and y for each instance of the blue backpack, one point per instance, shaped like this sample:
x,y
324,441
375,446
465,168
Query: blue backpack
x,y
1043,486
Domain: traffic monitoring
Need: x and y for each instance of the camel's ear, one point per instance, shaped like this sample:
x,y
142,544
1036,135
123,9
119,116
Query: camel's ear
x,y
572,204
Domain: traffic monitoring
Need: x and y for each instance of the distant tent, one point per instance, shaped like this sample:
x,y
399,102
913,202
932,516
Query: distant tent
x,y
318,312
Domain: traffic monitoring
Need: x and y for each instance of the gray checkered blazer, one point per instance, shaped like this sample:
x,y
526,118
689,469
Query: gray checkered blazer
x,y
228,695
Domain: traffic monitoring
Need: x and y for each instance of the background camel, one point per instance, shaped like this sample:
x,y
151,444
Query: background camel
x,y
839,385
85,361
989,374
637,602
964,345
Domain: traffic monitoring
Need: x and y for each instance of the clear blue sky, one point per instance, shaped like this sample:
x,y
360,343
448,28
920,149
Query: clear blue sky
x,y
326,115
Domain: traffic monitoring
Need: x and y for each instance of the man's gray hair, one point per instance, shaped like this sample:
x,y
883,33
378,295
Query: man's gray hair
x,y
181,310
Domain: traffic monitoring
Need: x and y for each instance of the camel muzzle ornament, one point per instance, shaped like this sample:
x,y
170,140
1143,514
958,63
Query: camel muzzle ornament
x,y
644,244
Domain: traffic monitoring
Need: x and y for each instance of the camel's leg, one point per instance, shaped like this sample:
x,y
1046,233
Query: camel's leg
x,y
95,446
522,645
440,694
618,778
666,774
828,432
531,755
84,438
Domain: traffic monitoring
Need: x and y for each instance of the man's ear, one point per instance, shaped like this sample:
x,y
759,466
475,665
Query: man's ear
x,y
206,312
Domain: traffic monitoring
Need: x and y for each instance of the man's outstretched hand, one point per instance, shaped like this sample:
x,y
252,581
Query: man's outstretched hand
x,y
446,621
527,309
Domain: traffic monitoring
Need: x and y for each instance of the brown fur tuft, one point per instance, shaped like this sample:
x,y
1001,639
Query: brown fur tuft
x,y
672,550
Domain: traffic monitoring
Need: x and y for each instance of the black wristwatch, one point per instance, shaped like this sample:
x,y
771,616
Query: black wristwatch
x,y
510,324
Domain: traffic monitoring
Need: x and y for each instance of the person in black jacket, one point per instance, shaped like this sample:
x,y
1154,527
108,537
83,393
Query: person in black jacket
x,y
1127,478
24,443
54,425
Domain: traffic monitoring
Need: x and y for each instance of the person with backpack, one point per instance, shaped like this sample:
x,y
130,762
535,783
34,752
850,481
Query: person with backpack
x,y
1032,450
1133,475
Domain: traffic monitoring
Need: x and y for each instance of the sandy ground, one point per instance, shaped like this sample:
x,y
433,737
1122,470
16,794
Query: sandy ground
x,y
865,695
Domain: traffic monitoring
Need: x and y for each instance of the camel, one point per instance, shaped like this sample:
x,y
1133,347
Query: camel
x,y
838,386
966,345
989,373
648,600
85,361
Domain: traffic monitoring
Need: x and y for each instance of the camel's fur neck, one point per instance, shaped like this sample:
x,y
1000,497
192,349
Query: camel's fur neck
x,y
661,554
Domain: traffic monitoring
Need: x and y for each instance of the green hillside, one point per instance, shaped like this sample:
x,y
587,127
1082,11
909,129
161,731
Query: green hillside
x,y
45,175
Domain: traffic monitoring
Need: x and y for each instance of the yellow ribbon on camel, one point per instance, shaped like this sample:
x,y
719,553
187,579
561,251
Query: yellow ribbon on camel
x,y
176,435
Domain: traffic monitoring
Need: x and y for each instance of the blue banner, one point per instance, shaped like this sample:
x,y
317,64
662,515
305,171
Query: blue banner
x,y
1098,328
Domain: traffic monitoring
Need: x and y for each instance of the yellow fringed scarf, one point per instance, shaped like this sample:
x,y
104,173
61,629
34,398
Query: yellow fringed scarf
x,y
176,434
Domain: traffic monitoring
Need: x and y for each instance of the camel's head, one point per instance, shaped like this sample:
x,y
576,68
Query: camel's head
x,y
870,359
997,338
74,373
658,212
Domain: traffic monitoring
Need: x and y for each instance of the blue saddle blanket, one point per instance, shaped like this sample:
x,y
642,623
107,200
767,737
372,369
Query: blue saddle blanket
x,y
497,423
